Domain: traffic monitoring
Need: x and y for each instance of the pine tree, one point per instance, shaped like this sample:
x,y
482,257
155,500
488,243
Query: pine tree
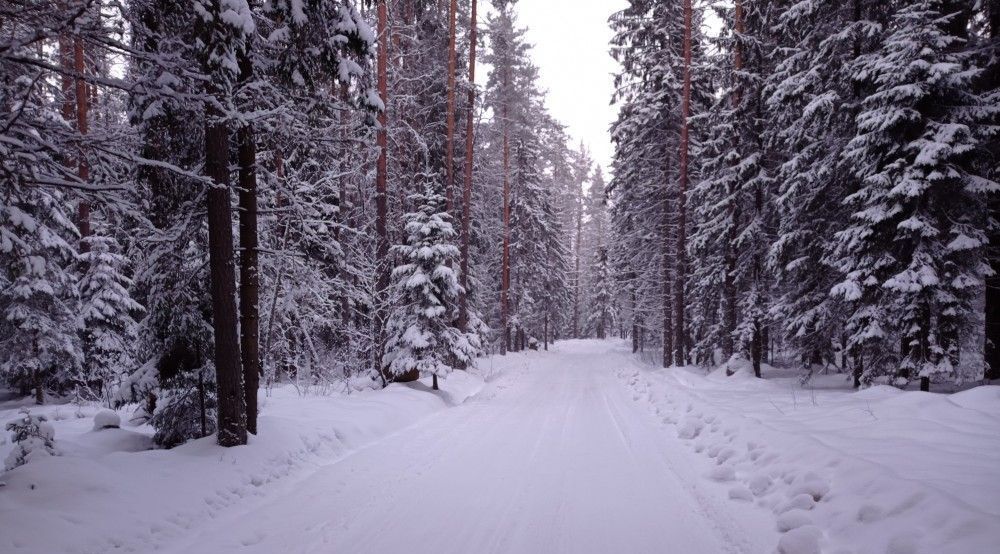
x,y
814,103
39,346
912,256
990,84
733,218
223,38
381,192
463,302
600,297
649,44
107,313
421,335
683,177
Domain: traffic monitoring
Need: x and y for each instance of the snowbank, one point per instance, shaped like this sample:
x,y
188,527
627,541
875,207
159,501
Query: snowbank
x,y
875,471
109,491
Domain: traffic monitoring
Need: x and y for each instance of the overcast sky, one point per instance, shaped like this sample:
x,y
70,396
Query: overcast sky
x,y
571,42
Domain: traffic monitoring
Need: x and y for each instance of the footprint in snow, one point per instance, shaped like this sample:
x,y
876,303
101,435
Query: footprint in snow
x,y
722,473
816,488
798,502
760,485
691,428
792,519
869,513
740,493
725,455
802,540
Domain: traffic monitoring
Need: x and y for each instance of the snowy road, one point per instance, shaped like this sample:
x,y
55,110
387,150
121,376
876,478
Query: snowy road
x,y
555,458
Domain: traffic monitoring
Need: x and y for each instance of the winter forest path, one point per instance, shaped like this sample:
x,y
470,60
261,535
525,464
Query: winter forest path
x,y
555,458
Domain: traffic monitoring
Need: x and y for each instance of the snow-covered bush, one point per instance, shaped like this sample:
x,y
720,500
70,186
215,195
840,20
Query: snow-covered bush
x,y
184,413
35,438
107,419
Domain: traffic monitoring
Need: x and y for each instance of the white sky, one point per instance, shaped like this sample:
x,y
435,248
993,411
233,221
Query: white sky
x,y
571,42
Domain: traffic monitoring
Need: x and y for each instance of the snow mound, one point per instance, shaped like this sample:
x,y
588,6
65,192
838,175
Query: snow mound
x,y
793,519
985,398
878,392
107,419
802,540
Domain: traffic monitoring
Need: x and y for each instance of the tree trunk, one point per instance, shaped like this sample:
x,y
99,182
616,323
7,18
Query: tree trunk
x,y
449,161
739,29
545,332
635,323
345,159
434,380
83,170
576,269
505,261
765,339
680,273
202,412
39,388
992,315
381,206
729,286
279,173
463,302
232,428
666,297
68,62
249,266
755,349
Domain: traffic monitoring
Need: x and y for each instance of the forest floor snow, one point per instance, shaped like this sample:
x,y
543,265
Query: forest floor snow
x,y
581,449
875,471
109,491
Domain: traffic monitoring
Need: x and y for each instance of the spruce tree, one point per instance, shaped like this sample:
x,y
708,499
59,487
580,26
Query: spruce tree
x,y
912,255
421,335
39,299
107,312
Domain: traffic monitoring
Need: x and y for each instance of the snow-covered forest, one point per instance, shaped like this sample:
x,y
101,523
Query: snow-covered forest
x,y
265,264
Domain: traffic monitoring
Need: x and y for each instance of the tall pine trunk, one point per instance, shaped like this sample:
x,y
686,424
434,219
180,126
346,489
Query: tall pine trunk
x,y
667,298
83,170
231,410
635,322
576,263
545,331
729,291
449,162
680,273
463,302
381,206
249,266
345,120
992,339
505,261
228,368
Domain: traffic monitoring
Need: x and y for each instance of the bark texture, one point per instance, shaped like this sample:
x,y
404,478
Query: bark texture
x,y
232,429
